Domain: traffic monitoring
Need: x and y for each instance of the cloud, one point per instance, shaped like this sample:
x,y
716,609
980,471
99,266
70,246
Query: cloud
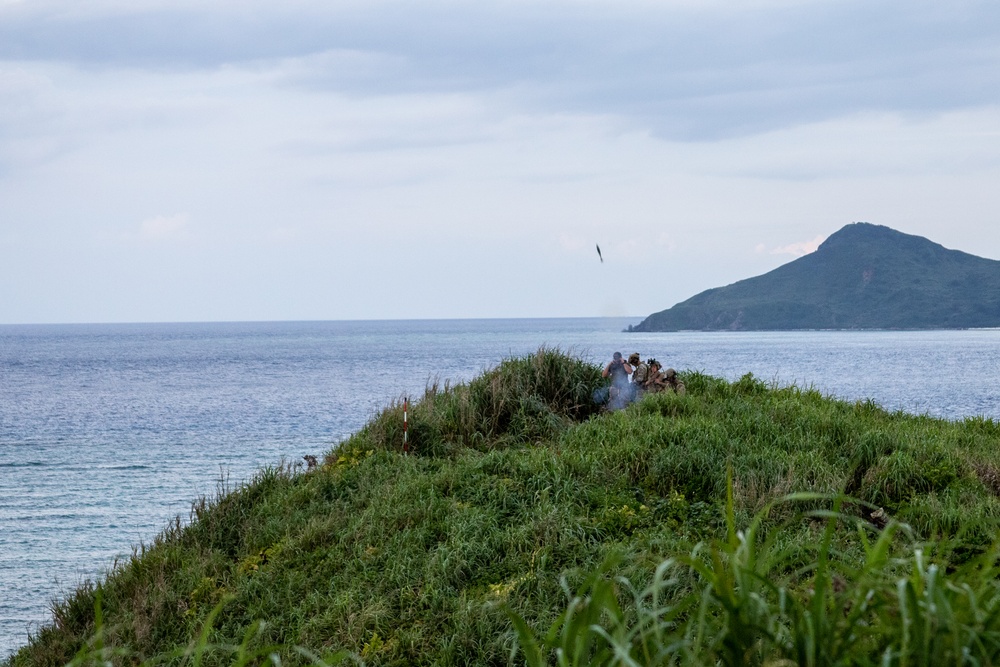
x,y
164,227
686,71
680,129
573,243
796,249
666,241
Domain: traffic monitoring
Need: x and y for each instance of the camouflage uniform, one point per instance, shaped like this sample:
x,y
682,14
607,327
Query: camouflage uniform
x,y
639,376
672,382
654,378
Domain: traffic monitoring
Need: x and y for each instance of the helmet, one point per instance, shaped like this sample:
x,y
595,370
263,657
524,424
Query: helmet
x,y
634,358
670,373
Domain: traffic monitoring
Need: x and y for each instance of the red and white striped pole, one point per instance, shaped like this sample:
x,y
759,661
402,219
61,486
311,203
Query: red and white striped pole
x,y
406,425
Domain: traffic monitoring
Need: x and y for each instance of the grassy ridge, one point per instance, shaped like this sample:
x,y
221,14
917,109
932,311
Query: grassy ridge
x,y
517,490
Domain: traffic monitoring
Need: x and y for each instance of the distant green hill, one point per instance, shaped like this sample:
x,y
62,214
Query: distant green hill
x,y
863,277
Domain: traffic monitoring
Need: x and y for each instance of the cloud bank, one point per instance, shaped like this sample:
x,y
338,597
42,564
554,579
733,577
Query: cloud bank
x,y
689,71
313,141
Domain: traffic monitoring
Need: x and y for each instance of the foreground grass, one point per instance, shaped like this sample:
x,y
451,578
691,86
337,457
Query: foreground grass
x,y
517,492
736,602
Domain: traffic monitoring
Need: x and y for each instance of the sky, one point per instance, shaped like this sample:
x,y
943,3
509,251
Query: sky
x,y
373,159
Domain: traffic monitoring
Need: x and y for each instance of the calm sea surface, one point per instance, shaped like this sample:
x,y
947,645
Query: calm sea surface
x,y
107,432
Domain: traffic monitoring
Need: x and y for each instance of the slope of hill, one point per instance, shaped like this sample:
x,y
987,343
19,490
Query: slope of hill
x,y
517,483
863,277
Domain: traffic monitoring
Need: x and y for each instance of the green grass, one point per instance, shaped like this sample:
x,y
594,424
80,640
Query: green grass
x,y
520,497
737,602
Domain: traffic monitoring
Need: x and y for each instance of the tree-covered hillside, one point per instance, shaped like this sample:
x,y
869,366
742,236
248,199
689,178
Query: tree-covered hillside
x,y
862,277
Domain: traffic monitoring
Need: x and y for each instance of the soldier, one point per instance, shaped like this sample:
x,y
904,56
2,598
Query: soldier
x,y
654,380
672,382
639,376
618,370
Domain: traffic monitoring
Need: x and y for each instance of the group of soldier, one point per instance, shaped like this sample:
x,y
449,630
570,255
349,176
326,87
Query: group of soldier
x,y
632,378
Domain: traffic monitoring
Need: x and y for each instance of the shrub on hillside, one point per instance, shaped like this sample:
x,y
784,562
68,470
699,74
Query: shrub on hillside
x,y
524,399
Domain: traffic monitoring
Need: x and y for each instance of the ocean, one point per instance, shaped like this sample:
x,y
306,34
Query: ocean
x,y
108,432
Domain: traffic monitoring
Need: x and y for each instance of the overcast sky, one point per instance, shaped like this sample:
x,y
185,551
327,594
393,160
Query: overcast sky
x,y
188,161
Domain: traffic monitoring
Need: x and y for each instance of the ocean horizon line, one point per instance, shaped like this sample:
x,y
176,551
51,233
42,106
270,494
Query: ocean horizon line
x,y
320,321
